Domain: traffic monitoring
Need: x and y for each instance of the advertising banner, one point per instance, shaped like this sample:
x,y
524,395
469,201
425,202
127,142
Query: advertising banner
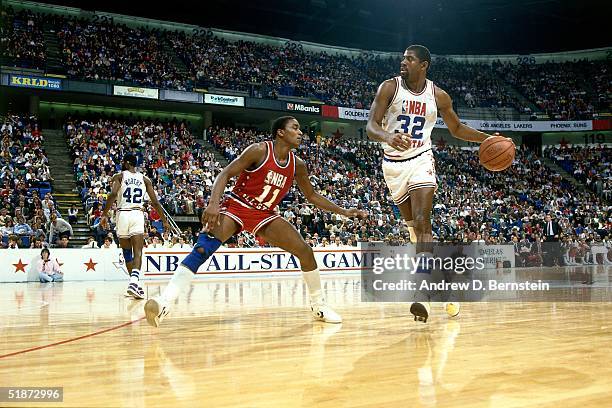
x,y
508,126
525,126
27,81
353,114
108,264
136,92
224,100
310,108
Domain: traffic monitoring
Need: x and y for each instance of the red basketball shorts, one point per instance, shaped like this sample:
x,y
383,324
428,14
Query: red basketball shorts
x,y
250,219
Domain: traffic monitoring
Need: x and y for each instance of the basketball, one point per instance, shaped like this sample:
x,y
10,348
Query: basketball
x,y
496,153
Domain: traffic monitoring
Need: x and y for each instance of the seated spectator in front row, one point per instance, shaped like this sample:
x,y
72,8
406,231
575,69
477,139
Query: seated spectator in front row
x,y
108,243
48,269
91,243
12,242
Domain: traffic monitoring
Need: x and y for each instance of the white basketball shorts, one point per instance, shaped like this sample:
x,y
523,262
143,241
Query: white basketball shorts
x,y
404,176
130,223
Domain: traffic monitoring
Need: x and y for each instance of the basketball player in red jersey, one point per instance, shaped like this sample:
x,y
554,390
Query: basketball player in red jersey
x,y
402,117
266,172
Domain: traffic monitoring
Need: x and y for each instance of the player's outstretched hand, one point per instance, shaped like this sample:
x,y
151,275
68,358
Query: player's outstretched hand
x,y
354,212
507,138
399,141
210,218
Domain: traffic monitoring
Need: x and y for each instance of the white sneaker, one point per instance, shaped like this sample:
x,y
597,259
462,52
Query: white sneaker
x,y
420,310
155,311
452,308
324,313
134,290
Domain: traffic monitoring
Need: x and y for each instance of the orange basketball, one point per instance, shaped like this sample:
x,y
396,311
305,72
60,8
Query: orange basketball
x,y
496,153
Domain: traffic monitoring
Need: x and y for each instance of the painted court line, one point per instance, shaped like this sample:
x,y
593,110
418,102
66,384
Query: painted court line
x,y
71,340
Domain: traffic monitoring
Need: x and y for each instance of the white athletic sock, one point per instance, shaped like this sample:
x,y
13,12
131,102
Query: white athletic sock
x,y
179,282
134,276
313,283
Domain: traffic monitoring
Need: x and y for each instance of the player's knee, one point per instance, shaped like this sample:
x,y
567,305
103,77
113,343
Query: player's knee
x,y
128,255
420,219
305,253
203,249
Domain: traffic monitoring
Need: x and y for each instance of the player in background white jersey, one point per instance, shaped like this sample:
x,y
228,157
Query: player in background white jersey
x,y
128,188
402,117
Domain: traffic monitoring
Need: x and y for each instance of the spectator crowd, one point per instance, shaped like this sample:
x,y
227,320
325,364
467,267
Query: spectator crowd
x,y
26,204
101,49
471,204
21,38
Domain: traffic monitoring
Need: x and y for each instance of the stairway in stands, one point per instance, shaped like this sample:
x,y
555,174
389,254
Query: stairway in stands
x,y
178,63
64,184
206,145
54,52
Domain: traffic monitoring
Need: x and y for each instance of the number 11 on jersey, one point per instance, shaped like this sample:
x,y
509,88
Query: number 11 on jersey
x,y
266,191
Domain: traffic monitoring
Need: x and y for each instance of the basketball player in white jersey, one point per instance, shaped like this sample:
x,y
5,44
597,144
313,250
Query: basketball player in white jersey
x,y
402,117
128,188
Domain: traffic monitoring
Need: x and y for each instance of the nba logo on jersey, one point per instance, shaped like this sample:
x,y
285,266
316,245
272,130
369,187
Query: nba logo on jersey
x,y
275,179
414,107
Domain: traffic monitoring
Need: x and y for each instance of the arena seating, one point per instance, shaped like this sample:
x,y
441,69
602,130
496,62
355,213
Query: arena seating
x,y
348,171
21,38
589,165
180,171
26,201
106,51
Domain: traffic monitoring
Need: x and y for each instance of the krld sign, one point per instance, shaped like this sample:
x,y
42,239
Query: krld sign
x,y
26,81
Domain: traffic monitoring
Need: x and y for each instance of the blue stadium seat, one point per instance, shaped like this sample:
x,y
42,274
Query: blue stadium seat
x,y
43,191
159,225
25,241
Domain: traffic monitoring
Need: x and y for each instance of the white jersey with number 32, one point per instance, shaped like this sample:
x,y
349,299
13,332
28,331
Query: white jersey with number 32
x,y
413,114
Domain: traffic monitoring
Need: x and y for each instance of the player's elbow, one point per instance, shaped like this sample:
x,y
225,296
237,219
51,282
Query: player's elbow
x,y
370,130
455,131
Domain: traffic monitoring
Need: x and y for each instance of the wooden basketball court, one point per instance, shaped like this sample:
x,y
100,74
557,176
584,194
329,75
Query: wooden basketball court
x,y
235,342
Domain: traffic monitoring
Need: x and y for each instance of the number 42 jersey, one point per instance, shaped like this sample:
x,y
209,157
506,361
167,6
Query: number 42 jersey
x,y
132,192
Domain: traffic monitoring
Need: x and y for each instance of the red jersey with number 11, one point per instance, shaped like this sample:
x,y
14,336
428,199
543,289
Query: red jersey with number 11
x,y
265,187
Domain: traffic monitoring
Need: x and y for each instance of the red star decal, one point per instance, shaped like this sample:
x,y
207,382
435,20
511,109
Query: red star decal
x,y
90,265
20,266
563,143
337,134
441,143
